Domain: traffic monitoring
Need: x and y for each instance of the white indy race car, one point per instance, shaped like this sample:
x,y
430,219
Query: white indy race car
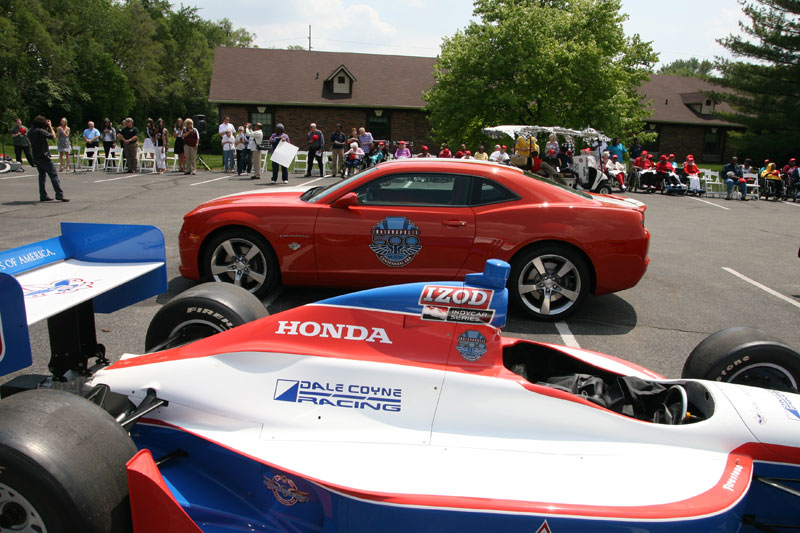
x,y
402,408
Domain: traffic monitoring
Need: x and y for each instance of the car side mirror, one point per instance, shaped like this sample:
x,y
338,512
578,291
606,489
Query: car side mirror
x,y
346,202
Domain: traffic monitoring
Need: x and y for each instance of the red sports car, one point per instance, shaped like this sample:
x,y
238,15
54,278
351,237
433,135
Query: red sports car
x,y
423,220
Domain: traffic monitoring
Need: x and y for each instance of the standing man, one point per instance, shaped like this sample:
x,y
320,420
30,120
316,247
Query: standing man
x,y
338,141
129,137
41,131
256,138
92,137
316,145
226,126
20,135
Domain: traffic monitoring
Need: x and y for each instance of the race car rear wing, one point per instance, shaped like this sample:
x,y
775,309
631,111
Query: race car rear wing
x,y
89,268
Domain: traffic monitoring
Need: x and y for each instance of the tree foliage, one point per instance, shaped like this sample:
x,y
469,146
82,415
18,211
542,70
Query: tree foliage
x,y
92,59
688,67
545,62
765,90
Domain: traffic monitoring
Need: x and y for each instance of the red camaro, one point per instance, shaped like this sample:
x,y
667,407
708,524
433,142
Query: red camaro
x,y
423,220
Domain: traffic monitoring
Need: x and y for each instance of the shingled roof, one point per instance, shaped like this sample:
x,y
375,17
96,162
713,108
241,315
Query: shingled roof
x,y
297,77
669,97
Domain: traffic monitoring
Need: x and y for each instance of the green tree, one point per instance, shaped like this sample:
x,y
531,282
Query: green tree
x,y
764,92
561,63
688,67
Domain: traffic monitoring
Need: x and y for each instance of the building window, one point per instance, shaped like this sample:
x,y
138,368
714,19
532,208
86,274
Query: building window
x,y
341,79
264,118
711,141
378,125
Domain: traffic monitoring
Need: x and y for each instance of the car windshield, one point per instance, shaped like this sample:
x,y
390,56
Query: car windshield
x,y
556,184
318,194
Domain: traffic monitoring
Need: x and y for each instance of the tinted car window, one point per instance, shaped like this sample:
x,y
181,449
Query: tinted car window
x,y
486,191
416,189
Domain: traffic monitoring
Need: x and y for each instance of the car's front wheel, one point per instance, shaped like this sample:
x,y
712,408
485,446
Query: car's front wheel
x,y
549,282
243,258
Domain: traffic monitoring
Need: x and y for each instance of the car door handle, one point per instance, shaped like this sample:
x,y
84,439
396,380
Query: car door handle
x,y
454,223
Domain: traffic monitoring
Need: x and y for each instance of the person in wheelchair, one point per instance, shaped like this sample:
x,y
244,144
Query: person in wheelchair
x,y
352,159
665,173
642,166
692,173
773,182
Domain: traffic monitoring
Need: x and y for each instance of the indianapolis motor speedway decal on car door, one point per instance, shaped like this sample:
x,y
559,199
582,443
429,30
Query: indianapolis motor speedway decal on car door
x,y
396,241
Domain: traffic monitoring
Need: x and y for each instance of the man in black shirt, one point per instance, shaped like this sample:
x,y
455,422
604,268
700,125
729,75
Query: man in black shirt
x,y
338,140
38,135
129,137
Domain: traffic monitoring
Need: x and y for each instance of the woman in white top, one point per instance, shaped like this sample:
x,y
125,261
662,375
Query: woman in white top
x,y
228,150
552,144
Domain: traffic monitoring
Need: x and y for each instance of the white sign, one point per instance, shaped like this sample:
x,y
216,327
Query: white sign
x,y
284,154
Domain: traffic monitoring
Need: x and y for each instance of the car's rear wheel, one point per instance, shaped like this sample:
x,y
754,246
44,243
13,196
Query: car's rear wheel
x,y
201,312
549,282
745,356
63,465
242,258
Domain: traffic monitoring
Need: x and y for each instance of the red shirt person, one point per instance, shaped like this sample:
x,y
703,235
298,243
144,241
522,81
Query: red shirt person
x,y
643,161
689,166
664,165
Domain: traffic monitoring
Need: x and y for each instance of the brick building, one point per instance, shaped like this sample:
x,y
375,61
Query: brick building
x,y
683,117
296,87
383,93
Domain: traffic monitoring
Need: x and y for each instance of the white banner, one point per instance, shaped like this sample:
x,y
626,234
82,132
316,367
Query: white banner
x,y
284,154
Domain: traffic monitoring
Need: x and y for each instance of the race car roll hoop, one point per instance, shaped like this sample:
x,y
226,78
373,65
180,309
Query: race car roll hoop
x,y
89,268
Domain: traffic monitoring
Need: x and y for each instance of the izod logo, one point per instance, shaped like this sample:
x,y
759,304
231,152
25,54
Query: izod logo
x,y
438,295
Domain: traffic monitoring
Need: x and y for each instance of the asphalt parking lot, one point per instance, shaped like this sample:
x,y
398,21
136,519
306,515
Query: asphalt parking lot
x,y
714,264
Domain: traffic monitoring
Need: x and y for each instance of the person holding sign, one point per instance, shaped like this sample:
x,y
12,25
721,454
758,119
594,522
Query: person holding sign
x,y
274,140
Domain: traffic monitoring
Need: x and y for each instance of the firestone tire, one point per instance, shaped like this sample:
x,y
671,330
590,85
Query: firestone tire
x,y
200,312
745,356
63,465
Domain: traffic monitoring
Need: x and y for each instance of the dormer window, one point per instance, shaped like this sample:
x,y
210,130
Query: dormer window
x,y
341,81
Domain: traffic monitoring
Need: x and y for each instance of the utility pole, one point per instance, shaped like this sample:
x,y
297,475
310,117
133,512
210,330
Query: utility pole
x,y
309,37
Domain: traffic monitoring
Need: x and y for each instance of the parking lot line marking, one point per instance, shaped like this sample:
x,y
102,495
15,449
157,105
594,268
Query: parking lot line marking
x,y
762,287
209,181
711,203
784,203
126,176
566,335
17,177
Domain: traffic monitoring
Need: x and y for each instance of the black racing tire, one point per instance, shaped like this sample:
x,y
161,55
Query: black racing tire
x,y
241,257
745,356
200,312
63,465
552,269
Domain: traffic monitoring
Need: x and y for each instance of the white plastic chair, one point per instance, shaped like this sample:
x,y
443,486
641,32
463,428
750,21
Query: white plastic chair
x,y
752,188
172,157
713,185
88,160
300,163
147,160
114,161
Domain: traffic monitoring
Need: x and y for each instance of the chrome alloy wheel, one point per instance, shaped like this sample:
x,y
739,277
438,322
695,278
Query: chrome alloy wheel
x,y
241,262
549,284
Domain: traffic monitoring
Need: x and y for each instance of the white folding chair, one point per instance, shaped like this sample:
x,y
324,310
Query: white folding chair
x,y
114,161
101,158
88,160
300,163
54,152
327,162
147,160
712,184
264,160
172,157
752,188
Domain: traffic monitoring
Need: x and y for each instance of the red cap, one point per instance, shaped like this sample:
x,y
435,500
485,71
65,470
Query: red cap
x,y
424,148
663,157
402,142
673,155
505,147
690,157
793,160
649,156
468,152
644,152
381,143
615,156
459,154
587,150
766,161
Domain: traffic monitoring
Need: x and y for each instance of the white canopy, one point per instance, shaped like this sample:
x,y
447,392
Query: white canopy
x,y
498,132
